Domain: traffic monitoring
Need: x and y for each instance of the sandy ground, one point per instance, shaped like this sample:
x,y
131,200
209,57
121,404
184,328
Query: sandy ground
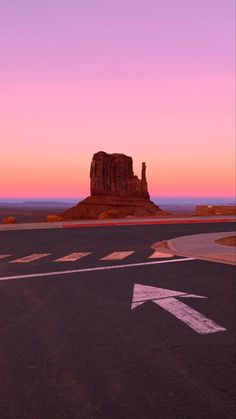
x,y
37,214
28,215
227,241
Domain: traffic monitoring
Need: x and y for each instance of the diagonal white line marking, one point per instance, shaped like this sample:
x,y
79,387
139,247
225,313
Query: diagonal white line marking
x,y
188,315
159,255
4,256
98,268
30,258
73,257
117,255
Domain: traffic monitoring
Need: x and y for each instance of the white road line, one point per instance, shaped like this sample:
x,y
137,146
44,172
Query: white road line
x,y
159,255
188,315
73,257
117,255
98,268
4,256
30,258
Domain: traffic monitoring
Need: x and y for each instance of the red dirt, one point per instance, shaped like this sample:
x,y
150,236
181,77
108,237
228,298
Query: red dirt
x,y
227,241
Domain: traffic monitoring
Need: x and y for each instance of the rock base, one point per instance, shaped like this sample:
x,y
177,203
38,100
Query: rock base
x,y
93,206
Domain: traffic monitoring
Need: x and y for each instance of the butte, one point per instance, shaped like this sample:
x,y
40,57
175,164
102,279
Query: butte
x,y
115,191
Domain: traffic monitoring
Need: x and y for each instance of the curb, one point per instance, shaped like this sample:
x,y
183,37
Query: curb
x,y
218,258
122,223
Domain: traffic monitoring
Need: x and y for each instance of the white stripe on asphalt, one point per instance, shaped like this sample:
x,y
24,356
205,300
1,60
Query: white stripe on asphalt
x,y
30,258
98,268
73,257
159,255
117,255
188,315
4,256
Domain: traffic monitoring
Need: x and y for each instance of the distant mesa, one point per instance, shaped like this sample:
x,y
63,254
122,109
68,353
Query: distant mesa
x,y
216,210
115,191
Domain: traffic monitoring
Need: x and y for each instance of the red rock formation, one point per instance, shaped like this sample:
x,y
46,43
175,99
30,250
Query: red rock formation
x,y
112,174
115,187
53,218
216,210
9,220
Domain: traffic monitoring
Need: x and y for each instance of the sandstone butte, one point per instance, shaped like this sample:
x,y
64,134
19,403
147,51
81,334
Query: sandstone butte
x,y
114,190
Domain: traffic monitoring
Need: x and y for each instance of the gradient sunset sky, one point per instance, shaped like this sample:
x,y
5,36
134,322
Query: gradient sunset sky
x,y
153,79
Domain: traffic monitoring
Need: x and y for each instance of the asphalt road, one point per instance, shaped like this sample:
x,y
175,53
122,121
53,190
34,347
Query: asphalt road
x,y
71,347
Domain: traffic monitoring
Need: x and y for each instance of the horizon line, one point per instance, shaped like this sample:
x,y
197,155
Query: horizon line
x,y
177,197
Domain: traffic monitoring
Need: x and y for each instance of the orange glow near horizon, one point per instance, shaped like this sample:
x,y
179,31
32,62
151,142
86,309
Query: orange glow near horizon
x,y
188,146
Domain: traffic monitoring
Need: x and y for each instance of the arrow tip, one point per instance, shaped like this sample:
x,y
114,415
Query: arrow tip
x,y
136,304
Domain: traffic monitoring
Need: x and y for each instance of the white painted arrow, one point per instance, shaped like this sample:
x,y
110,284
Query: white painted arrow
x,y
166,299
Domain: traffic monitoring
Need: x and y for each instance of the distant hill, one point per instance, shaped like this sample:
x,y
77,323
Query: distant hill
x,y
188,205
37,204
32,211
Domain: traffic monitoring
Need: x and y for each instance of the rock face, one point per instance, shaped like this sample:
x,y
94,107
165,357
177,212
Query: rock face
x,y
115,187
112,174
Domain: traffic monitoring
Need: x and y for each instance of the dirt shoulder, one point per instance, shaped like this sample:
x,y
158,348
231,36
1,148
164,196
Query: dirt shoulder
x,y
227,241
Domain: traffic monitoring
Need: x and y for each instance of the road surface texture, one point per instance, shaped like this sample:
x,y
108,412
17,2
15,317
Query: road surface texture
x,y
71,347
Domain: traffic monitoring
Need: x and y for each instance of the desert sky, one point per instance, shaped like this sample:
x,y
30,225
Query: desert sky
x,y
153,79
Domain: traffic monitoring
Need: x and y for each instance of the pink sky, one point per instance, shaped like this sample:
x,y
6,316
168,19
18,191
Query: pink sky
x,y
141,78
